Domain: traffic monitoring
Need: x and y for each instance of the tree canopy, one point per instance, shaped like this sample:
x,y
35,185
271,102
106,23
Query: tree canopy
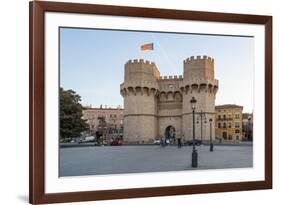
x,y
71,122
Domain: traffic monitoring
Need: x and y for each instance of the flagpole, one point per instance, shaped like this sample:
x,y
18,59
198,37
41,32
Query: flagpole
x,y
164,53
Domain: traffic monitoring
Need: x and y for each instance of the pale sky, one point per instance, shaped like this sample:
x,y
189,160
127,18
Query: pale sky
x,y
92,62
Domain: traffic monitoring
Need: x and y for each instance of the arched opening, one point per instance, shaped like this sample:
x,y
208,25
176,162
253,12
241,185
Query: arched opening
x,y
170,133
224,135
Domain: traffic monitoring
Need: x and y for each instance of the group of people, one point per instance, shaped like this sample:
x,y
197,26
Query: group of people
x,y
166,141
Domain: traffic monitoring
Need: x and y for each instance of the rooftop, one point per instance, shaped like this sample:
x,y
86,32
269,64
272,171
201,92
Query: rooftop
x,y
94,108
228,106
89,107
247,115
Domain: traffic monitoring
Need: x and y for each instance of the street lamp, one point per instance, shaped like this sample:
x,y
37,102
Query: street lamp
x,y
211,141
194,151
202,116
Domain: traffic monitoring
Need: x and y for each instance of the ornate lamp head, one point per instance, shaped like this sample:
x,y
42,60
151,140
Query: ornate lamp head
x,y
193,103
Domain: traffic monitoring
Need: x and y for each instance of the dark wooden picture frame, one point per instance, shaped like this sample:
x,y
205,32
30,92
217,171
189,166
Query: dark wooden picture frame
x,y
37,193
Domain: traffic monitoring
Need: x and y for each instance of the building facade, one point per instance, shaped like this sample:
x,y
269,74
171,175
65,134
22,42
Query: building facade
x,y
106,121
248,126
229,122
156,106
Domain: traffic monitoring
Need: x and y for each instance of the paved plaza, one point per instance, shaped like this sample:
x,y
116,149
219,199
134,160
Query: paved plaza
x,y
94,160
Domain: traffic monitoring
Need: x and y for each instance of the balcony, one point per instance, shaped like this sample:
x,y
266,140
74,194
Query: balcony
x,y
224,119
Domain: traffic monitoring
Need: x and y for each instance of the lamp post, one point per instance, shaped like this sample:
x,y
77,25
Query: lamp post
x,y
202,117
194,151
211,141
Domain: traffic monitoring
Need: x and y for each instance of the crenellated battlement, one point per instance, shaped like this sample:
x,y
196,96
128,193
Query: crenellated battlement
x,y
171,77
140,69
139,61
201,67
194,59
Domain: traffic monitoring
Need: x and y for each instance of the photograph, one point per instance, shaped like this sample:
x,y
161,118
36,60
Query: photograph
x,y
136,101
133,102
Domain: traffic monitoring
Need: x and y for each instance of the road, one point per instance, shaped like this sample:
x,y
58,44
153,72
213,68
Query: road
x,y
79,161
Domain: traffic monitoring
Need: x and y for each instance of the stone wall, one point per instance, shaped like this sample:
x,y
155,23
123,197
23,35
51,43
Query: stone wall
x,y
153,102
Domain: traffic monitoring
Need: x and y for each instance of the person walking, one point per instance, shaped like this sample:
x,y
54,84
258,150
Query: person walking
x,y
179,141
161,141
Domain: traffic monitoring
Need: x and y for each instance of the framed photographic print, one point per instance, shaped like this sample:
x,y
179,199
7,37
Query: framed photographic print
x,y
132,102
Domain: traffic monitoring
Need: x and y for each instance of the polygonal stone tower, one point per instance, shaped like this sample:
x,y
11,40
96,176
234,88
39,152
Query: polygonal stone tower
x,y
198,82
159,106
139,91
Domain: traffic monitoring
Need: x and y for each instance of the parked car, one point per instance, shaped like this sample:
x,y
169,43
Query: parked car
x,y
116,143
88,139
156,142
197,142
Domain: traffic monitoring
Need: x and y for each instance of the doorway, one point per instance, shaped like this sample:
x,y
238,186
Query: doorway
x,y
224,135
170,133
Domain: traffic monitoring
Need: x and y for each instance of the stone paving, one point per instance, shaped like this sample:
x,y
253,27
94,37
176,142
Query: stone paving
x,y
79,161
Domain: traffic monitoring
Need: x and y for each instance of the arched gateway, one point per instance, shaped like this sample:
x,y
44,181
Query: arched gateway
x,y
170,132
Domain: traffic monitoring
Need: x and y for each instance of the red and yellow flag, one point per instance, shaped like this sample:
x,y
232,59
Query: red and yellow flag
x,y
148,46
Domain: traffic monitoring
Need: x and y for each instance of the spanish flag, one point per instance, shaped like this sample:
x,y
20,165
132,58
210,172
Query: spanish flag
x,y
148,46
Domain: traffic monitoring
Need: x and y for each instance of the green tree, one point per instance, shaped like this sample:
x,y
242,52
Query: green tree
x,y
71,122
